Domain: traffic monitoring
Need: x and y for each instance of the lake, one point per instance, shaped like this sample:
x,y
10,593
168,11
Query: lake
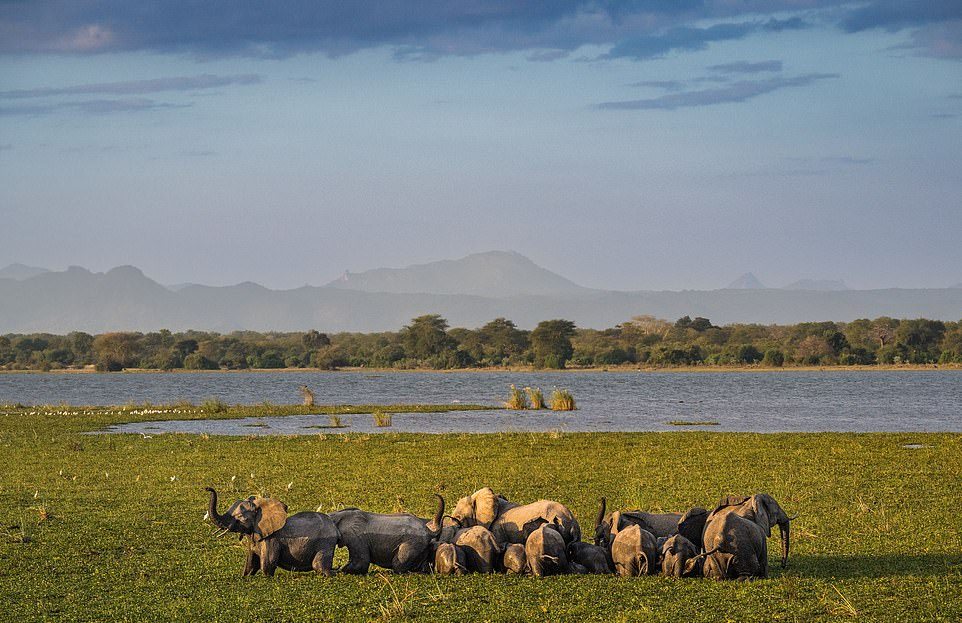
x,y
831,400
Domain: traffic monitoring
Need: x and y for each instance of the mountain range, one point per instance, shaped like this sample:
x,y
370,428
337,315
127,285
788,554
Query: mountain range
x,y
468,292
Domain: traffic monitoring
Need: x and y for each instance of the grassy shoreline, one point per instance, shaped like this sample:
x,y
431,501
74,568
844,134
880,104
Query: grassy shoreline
x,y
531,369
115,522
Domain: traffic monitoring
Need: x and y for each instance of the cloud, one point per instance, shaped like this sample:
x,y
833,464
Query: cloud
x,y
735,92
137,87
88,107
686,38
937,23
667,85
746,67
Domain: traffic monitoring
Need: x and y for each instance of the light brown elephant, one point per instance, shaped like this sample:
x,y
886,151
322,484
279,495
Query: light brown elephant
x,y
513,561
545,551
634,551
300,542
763,510
738,548
449,559
513,523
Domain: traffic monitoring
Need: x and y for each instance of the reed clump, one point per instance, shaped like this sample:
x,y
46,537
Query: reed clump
x,y
382,419
535,398
517,399
562,400
308,396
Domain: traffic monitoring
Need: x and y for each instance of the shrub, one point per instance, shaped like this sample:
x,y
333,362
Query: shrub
x,y
562,400
196,361
773,358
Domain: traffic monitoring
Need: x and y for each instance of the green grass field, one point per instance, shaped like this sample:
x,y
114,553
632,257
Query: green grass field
x,y
111,527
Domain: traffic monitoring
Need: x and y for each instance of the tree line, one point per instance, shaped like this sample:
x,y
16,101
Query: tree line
x,y
428,342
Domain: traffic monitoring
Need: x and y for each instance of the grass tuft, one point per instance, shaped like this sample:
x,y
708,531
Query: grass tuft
x,y
214,405
535,398
382,419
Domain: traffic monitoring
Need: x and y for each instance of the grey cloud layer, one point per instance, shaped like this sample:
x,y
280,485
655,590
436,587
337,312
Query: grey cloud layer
x,y
736,92
88,107
636,29
137,87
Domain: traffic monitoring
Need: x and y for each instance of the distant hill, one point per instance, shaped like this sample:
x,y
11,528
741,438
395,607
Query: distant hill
x,y
824,285
747,281
126,299
495,274
21,271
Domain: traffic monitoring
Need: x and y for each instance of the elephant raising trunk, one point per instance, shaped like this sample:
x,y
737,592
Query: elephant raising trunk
x,y
221,521
439,518
601,513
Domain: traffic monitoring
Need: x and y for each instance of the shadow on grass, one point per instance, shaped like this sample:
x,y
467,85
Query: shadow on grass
x,y
872,566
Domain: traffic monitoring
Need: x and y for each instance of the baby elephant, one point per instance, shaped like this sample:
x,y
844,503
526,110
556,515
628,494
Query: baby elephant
x,y
545,551
635,552
480,548
680,558
301,542
592,557
514,560
449,559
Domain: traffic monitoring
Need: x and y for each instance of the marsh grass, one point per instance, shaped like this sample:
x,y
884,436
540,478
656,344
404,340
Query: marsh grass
x,y
562,400
214,405
692,423
535,398
382,419
517,399
878,522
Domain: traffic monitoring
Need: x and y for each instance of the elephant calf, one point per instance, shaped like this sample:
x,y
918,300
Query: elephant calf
x,y
480,549
635,552
513,523
514,561
545,551
680,558
595,559
449,559
400,541
301,542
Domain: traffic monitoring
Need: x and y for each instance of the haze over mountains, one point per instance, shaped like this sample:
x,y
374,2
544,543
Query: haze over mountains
x,y
468,292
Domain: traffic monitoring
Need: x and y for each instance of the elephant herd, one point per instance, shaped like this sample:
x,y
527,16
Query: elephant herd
x,y
486,533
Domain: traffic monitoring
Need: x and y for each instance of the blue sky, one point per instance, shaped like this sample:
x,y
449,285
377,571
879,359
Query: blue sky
x,y
632,145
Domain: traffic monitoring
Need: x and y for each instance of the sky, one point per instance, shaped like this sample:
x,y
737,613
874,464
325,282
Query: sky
x,y
645,144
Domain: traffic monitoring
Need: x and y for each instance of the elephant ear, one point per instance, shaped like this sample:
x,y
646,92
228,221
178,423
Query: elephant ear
x,y
762,507
485,506
272,515
692,525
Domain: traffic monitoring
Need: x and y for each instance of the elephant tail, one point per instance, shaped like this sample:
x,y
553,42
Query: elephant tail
x,y
438,518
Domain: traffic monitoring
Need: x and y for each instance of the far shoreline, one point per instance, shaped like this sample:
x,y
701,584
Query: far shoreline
x,y
707,369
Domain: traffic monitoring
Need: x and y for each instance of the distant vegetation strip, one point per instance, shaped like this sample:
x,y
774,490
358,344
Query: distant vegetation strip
x,y
428,343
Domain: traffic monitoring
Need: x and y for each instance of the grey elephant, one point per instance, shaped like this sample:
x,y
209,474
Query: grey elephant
x,y
576,568
545,551
480,547
594,558
738,546
762,509
680,558
507,520
449,559
514,561
398,541
634,552
658,524
692,525
300,542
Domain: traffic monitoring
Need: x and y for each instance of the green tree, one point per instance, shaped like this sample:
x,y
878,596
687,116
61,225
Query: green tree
x,y
502,340
551,343
313,340
427,337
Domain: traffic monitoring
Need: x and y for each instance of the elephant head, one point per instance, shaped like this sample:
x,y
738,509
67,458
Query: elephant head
x,y
255,516
480,508
767,514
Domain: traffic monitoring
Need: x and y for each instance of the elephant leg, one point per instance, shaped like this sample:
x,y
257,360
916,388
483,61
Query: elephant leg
x,y
324,560
407,558
359,559
252,564
270,556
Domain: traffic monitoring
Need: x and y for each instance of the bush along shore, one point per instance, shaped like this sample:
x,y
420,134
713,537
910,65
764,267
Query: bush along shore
x,y
427,342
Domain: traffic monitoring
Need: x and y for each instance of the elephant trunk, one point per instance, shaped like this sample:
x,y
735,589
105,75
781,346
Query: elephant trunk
x,y
601,513
438,518
785,529
219,520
